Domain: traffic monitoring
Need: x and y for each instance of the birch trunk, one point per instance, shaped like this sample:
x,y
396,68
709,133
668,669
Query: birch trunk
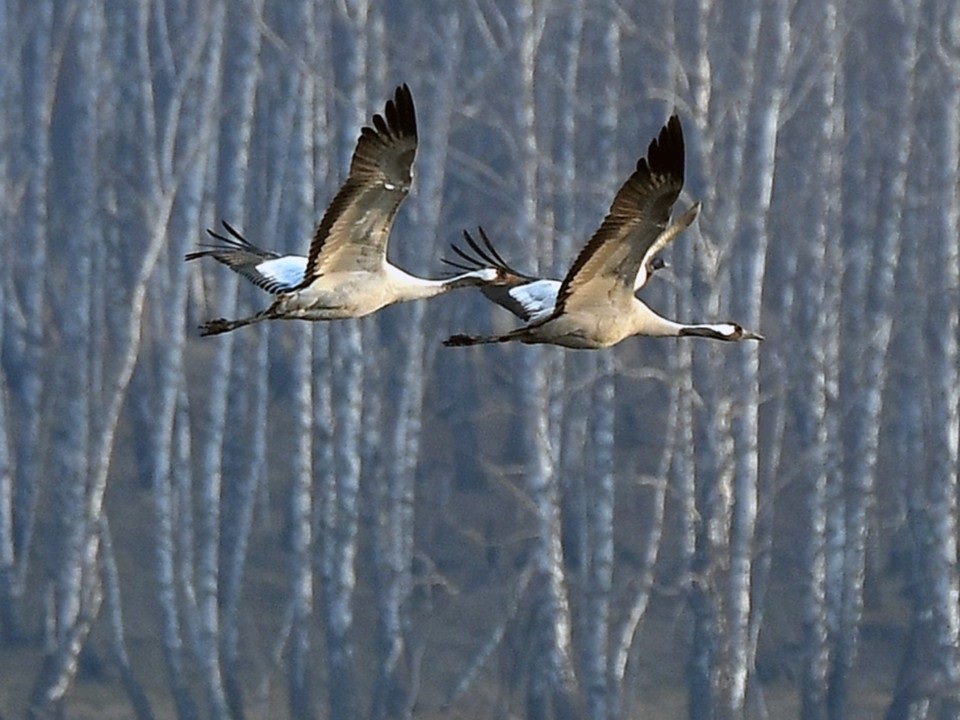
x,y
38,92
118,646
75,600
240,81
208,516
713,455
301,494
347,358
945,356
930,666
869,282
765,80
551,686
818,302
597,680
8,623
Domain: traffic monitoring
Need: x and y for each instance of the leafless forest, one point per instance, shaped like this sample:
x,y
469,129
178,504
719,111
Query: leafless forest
x,y
348,520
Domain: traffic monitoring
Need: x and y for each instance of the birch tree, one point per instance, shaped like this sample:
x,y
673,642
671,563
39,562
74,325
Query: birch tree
x,y
73,585
176,102
24,336
600,500
341,496
301,493
930,666
7,552
817,300
551,689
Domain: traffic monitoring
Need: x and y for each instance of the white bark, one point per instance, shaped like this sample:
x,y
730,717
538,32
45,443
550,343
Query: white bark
x,y
301,491
240,81
552,678
74,608
7,551
346,361
207,621
37,91
818,308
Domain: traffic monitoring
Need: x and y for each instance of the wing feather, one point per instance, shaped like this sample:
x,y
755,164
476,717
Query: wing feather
x,y
354,230
266,269
638,215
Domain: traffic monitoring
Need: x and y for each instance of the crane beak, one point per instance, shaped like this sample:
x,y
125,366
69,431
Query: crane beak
x,y
748,335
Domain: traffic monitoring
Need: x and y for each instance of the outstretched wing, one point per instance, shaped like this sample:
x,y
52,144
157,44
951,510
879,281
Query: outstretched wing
x,y
353,233
638,215
524,295
484,255
266,269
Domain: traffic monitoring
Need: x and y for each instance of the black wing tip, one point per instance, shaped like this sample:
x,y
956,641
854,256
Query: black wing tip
x,y
231,230
398,119
485,254
400,113
665,154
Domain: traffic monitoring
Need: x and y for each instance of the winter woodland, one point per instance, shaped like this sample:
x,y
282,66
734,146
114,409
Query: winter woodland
x,y
348,520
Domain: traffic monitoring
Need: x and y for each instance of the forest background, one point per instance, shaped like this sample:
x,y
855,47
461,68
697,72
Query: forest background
x,y
349,520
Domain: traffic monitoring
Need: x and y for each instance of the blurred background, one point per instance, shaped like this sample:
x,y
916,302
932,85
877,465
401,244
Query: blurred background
x,y
348,520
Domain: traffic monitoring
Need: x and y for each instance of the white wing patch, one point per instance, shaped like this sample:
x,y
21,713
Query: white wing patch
x,y
284,272
538,298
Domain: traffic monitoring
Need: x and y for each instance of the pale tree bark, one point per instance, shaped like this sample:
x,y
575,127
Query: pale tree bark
x,y
817,372
118,646
166,472
738,159
7,552
178,102
398,647
341,499
596,678
682,473
249,445
158,170
764,89
930,666
565,246
118,329
341,496
301,492
240,81
24,335
227,167
601,480
713,459
73,583
945,359
753,518
869,282
626,648
324,492
551,684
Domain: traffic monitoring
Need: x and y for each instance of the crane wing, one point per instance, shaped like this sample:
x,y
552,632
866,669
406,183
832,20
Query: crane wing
x,y
638,215
353,233
266,269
